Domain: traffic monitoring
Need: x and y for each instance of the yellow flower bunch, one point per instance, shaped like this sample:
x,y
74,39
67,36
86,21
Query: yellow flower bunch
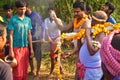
x,y
98,28
77,23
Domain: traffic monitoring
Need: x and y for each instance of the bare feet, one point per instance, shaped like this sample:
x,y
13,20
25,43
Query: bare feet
x,y
50,75
37,73
31,73
36,78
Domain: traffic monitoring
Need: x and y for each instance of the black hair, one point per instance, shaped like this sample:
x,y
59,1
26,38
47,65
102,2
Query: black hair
x,y
88,8
110,6
7,7
116,41
51,8
20,3
27,4
80,5
2,27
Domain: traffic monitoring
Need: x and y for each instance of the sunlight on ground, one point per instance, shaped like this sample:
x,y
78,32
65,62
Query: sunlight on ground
x,y
44,75
68,67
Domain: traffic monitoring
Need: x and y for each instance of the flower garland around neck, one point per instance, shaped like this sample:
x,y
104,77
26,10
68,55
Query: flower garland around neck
x,y
107,27
73,35
77,23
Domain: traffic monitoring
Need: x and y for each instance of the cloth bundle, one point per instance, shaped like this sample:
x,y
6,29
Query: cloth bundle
x,y
110,56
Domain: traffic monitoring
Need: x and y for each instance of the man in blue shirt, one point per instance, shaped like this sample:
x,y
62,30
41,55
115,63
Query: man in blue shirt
x,y
109,9
38,33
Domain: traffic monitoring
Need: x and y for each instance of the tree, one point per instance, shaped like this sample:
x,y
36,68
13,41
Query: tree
x,y
65,10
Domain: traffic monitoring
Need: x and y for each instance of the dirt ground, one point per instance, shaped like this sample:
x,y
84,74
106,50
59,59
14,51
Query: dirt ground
x,y
44,75
45,67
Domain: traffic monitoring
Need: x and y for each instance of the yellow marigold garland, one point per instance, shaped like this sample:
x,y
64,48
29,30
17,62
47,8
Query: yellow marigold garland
x,y
78,24
58,52
57,69
116,26
98,28
74,36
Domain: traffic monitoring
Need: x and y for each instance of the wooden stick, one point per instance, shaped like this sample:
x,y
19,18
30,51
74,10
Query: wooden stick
x,y
39,41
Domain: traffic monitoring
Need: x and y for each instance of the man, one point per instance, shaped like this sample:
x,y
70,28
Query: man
x,y
53,25
80,19
88,10
20,35
79,14
90,61
38,33
110,52
8,10
5,69
109,9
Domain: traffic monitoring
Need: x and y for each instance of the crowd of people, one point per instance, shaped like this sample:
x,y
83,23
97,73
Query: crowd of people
x,y
96,42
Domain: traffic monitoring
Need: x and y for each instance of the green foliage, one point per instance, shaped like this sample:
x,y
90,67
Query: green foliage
x,y
65,10
97,5
2,2
37,6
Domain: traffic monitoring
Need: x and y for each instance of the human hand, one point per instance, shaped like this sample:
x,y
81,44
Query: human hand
x,y
96,44
43,41
53,15
31,53
65,55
